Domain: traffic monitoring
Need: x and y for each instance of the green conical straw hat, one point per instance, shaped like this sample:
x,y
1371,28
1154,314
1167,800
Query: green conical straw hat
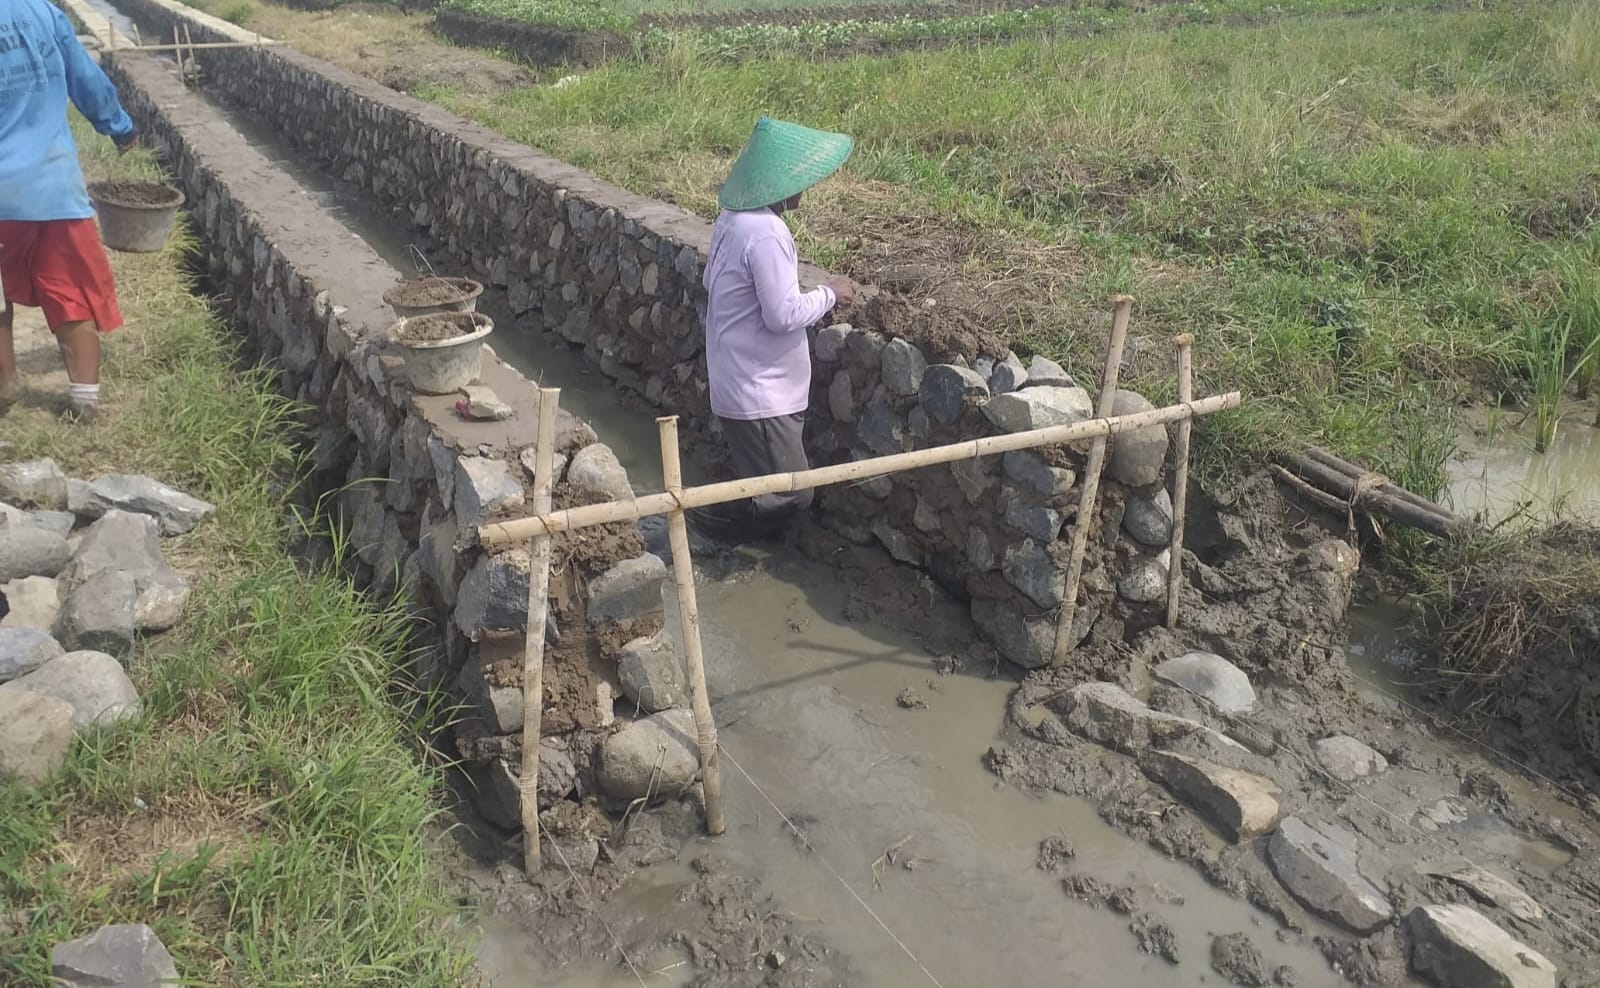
x,y
782,160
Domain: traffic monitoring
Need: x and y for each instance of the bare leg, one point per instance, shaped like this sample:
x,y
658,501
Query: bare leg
x,y
10,382
80,348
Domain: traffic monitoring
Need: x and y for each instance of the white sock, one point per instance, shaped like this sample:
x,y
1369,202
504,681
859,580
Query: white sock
x,y
84,394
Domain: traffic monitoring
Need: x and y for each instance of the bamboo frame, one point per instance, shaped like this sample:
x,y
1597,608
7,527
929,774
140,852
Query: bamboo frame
x,y
1180,476
1091,481
546,522
506,533
689,620
533,638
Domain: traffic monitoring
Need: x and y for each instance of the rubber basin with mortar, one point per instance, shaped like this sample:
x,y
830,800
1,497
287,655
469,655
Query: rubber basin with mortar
x,y
427,296
443,351
135,217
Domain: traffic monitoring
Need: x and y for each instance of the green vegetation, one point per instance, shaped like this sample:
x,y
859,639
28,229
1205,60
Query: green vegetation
x,y
267,812
1356,216
750,28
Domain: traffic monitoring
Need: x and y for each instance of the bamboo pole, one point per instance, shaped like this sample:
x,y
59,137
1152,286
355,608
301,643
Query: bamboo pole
x,y
689,618
197,46
533,637
1375,500
1180,476
1091,480
506,533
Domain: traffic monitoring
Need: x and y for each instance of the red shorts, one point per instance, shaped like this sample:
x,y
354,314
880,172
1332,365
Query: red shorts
x,y
59,266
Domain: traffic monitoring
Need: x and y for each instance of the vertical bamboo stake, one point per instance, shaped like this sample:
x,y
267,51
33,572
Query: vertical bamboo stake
x,y
1091,479
689,616
1180,476
533,640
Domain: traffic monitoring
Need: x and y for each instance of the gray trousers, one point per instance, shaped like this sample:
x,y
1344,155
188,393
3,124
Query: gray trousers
x,y
760,447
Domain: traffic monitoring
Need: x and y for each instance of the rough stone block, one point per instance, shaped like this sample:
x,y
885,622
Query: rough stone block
x,y
1148,518
903,368
1136,458
631,589
22,650
655,757
175,511
881,427
1347,759
946,389
1213,677
652,674
493,596
1145,582
32,602
1317,862
1458,947
127,956
1038,408
1029,471
1008,375
484,485
596,472
1037,521
99,614
1046,373
34,484
975,476
1242,804
1029,568
92,683
27,550
35,734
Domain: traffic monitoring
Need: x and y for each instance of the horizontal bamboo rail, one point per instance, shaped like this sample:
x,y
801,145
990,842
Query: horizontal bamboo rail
x,y
502,534
197,46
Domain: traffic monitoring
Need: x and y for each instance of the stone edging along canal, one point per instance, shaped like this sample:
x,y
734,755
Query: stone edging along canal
x,y
618,275
410,478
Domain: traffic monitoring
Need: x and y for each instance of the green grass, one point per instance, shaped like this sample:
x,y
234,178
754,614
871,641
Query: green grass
x,y
267,812
836,28
1353,214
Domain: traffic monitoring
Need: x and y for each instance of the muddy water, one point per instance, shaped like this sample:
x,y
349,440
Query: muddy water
x,y
1498,473
806,703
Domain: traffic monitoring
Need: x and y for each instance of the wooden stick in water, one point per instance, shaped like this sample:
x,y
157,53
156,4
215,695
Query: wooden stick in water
x,y
1091,480
1180,477
505,533
689,616
533,640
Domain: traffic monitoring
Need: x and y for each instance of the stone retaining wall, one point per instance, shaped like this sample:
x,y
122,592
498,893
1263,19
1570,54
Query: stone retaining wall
x,y
407,477
619,276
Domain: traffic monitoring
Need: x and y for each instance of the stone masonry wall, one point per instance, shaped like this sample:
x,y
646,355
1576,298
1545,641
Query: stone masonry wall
x,y
405,475
619,276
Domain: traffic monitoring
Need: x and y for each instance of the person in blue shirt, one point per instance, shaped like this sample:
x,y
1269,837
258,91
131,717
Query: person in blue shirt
x,y
51,257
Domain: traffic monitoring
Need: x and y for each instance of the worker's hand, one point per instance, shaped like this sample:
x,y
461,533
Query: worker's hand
x,y
127,142
844,290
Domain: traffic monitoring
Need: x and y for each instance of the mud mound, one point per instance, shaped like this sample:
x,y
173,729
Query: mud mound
x,y
943,333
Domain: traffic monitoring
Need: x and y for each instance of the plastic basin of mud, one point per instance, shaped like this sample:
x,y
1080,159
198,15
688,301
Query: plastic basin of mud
x,y
135,217
428,296
440,359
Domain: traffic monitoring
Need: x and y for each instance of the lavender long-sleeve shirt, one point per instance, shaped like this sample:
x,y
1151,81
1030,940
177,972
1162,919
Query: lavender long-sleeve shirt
x,y
757,354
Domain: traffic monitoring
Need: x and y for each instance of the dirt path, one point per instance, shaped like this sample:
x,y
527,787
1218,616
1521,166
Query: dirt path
x,y
44,376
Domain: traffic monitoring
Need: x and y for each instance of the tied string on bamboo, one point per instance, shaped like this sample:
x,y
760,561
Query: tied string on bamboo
x,y
1369,481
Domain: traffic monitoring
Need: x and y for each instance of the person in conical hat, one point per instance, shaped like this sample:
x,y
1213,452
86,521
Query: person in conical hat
x,y
758,355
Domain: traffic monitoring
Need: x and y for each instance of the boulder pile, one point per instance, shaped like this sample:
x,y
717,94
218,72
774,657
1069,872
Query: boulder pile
x,y
82,578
